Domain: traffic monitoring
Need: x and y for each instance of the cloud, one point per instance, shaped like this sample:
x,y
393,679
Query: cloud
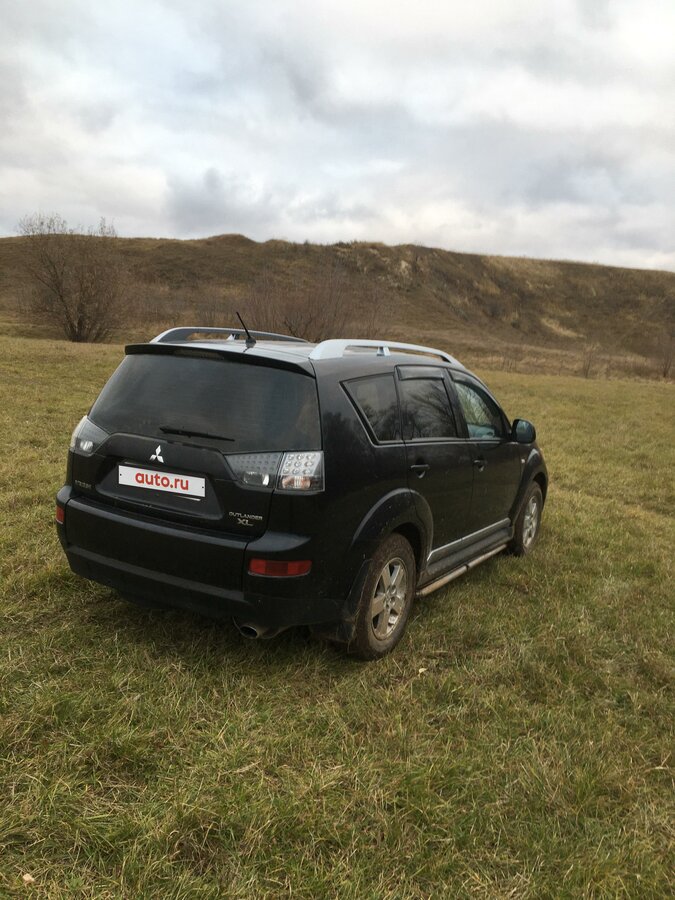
x,y
216,202
501,127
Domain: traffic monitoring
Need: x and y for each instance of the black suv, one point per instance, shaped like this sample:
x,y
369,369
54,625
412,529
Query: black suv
x,y
258,477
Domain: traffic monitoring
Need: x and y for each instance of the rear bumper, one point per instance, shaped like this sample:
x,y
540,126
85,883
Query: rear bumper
x,y
186,568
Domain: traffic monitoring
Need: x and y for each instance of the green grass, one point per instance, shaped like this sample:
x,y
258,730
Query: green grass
x,y
517,744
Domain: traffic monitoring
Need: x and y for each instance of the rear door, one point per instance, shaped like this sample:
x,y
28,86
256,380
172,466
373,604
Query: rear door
x,y
439,459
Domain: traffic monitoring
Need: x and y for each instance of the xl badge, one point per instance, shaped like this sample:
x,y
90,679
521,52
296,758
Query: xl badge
x,y
157,455
245,518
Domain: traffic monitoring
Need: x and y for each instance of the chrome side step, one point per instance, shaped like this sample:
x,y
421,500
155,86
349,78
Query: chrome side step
x,y
460,543
446,579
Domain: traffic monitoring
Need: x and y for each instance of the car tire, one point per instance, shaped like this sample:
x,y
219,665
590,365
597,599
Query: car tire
x,y
528,522
386,599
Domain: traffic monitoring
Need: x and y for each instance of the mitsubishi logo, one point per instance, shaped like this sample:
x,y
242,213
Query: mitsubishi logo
x,y
157,455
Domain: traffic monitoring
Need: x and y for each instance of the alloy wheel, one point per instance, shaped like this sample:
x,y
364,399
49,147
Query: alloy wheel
x,y
389,598
530,522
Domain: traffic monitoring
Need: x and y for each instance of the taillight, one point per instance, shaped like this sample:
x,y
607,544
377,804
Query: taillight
x,y
60,514
258,469
279,568
87,437
296,471
301,471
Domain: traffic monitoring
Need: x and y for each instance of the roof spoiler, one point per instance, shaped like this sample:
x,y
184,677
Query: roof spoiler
x,y
184,333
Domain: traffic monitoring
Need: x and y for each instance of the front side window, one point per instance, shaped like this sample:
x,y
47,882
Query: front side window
x,y
426,409
375,398
482,415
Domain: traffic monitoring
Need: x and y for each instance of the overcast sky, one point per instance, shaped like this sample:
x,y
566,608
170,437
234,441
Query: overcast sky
x,y
528,128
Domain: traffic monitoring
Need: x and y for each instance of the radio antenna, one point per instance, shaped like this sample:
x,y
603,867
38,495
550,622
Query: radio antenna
x,y
250,340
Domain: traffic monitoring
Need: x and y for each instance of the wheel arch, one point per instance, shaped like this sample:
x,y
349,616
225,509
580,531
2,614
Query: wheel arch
x,y
542,481
395,512
534,472
413,536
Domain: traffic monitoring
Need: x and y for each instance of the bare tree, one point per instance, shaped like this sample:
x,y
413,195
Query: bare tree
x,y
211,308
511,355
588,359
665,349
75,279
264,297
311,307
318,310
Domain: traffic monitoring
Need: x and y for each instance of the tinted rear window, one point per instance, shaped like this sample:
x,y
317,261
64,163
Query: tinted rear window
x,y
376,397
426,410
258,408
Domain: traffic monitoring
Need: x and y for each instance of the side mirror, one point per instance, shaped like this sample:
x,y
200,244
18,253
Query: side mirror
x,y
523,431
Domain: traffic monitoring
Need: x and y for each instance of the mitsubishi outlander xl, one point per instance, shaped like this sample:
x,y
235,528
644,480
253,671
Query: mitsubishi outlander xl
x,y
260,478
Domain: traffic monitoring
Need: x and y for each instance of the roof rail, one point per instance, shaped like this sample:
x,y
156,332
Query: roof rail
x,y
177,335
336,348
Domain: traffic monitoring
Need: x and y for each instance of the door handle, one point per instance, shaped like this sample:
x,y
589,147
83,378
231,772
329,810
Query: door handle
x,y
420,469
480,463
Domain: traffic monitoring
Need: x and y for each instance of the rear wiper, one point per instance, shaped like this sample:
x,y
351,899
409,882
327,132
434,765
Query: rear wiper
x,y
167,429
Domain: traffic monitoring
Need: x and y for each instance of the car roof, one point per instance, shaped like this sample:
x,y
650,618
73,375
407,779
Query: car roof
x,y
290,352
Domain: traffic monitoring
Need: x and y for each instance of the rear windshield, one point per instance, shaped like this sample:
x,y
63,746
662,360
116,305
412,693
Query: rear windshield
x,y
239,406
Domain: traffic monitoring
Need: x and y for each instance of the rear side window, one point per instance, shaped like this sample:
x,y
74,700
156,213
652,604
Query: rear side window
x,y
375,398
242,407
426,409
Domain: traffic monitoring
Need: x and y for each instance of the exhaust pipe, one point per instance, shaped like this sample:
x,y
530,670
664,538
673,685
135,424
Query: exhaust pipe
x,y
253,631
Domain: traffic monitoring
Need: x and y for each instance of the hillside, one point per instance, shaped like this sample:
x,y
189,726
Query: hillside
x,y
470,303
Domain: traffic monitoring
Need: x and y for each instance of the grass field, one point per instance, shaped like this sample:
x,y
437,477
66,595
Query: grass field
x,y
517,744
